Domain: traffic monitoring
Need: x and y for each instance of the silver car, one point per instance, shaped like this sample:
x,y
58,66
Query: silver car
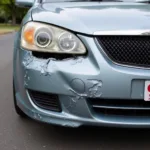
x,y
84,62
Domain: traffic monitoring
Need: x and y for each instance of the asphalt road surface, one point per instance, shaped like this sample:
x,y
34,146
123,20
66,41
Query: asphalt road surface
x,y
25,134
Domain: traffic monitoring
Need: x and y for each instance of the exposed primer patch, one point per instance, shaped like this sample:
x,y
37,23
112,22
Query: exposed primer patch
x,y
26,78
47,67
37,116
95,89
68,124
44,67
76,61
27,59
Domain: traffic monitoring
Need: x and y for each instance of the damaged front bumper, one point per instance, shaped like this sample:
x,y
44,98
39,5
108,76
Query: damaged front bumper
x,y
75,80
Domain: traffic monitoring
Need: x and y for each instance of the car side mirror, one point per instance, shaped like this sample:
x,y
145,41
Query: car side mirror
x,y
24,3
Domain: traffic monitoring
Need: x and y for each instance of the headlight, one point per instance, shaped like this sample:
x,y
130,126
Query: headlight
x,y
47,38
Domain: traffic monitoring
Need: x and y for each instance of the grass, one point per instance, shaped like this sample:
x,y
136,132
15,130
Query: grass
x,y
7,28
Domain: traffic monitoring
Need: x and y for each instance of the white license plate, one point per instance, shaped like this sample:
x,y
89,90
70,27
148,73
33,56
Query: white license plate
x,y
147,91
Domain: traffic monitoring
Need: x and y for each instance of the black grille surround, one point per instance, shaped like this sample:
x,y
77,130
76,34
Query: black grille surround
x,y
120,107
45,101
127,50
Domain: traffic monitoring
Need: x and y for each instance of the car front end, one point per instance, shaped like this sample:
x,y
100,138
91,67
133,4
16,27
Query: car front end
x,y
84,63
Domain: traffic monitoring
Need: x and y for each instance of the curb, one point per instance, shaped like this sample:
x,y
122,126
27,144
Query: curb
x,y
3,33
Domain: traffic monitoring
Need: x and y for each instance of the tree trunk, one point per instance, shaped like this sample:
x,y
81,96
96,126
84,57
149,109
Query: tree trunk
x,y
13,18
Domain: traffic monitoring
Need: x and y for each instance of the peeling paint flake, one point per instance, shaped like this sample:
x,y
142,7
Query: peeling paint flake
x,y
95,89
69,124
26,78
37,116
44,70
28,59
45,66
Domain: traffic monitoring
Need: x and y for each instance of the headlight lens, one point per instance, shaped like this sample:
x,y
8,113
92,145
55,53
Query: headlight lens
x,y
68,42
43,38
47,38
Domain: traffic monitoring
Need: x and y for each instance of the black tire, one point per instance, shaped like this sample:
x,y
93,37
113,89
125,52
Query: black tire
x,y
17,109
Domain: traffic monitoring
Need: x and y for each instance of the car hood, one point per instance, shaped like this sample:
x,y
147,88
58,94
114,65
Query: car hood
x,y
90,17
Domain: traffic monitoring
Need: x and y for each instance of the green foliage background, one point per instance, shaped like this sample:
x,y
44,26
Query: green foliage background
x,y
9,12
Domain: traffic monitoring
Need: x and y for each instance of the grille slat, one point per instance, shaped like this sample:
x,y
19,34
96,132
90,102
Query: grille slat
x,y
120,107
45,100
128,50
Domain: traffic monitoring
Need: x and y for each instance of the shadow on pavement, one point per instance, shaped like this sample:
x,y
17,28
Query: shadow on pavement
x,y
92,137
